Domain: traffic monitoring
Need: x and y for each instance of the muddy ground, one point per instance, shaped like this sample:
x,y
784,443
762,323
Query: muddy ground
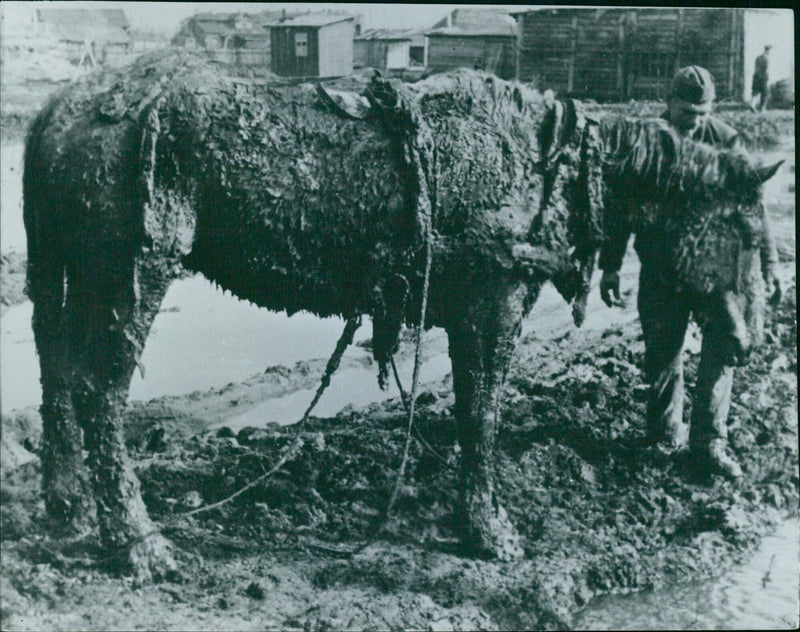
x,y
597,510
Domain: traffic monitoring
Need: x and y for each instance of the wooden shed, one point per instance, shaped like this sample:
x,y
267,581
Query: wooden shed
x,y
236,39
313,45
384,49
473,38
623,53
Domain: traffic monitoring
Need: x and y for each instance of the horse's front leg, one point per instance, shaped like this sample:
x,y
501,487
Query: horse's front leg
x,y
114,319
481,346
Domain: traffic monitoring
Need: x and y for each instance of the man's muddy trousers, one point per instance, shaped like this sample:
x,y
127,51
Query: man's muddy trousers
x,y
664,310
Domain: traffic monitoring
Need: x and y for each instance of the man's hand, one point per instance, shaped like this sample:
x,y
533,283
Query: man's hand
x,y
609,289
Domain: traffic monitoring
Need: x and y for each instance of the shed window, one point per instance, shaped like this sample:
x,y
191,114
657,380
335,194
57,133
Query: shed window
x,y
301,44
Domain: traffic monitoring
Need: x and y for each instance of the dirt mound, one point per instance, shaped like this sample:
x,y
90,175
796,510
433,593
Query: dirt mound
x,y
598,511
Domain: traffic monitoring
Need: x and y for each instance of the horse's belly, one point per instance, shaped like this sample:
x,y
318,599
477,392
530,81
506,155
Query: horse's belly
x,y
304,217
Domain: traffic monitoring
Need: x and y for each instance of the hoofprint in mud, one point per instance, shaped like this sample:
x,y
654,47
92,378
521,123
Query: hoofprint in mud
x,y
130,175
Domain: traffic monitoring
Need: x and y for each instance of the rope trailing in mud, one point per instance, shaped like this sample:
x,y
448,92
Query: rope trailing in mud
x,y
384,519
345,340
401,117
404,399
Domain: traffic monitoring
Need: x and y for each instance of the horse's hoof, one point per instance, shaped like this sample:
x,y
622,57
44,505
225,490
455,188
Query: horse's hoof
x,y
151,560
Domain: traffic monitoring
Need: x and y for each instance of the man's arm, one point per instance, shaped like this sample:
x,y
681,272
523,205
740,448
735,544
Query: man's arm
x,y
768,249
769,259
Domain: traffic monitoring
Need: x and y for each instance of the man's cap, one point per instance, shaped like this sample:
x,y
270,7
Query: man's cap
x,y
694,85
768,47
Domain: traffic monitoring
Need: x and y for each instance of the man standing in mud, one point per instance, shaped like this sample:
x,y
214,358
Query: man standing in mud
x,y
664,309
760,88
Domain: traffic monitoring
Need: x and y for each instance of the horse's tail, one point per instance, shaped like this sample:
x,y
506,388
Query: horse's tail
x,y
46,259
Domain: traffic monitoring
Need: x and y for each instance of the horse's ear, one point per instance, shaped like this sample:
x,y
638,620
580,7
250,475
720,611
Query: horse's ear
x,y
765,173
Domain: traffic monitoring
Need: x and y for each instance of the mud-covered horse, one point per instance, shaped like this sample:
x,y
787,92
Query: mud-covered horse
x,y
133,175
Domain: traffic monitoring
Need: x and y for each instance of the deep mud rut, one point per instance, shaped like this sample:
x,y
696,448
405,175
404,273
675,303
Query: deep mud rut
x,y
598,511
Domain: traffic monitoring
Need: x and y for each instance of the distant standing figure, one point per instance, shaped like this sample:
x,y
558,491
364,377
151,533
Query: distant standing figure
x,y
761,80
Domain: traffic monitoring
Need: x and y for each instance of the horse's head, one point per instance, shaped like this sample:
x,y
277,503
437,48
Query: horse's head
x,y
701,209
726,240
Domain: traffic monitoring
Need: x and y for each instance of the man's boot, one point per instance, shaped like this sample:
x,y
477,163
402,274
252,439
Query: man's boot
x,y
713,459
665,425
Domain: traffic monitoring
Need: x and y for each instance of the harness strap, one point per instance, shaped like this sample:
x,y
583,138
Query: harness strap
x,y
567,134
403,123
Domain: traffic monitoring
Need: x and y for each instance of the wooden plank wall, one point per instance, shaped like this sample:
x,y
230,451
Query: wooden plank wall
x,y
495,53
284,61
335,49
598,71
370,53
241,57
546,48
612,54
653,52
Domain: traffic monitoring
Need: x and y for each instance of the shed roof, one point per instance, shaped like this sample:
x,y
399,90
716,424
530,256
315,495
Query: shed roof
x,y
311,19
455,31
107,25
387,34
466,22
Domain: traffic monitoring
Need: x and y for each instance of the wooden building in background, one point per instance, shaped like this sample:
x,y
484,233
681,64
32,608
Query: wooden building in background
x,y
473,38
313,45
384,49
235,39
623,53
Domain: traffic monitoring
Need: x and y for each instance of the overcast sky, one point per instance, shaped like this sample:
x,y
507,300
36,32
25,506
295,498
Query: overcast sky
x,y
165,16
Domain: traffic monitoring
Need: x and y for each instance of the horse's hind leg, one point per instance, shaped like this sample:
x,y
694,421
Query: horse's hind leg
x,y
114,314
65,481
481,347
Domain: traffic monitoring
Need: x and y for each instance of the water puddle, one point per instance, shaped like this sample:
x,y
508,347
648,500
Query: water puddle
x,y
200,340
760,595
350,387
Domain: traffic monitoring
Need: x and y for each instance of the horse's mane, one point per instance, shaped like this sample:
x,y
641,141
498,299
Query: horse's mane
x,y
472,90
662,164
